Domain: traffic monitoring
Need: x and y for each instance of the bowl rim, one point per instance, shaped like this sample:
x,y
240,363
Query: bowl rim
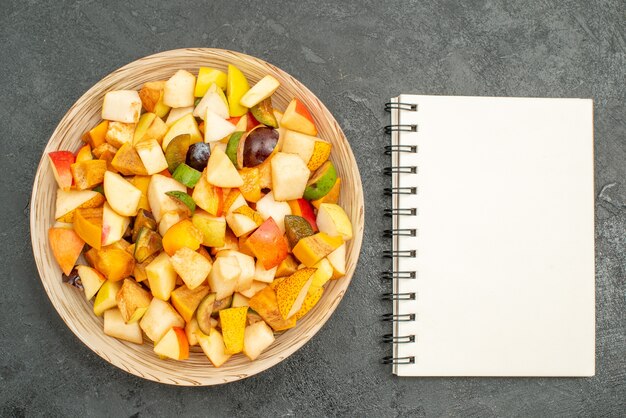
x,y
270,361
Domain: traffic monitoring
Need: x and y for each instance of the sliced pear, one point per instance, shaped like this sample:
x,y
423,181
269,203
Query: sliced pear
x,y
221,172
179,89
216,127
260,91
121,195
215,101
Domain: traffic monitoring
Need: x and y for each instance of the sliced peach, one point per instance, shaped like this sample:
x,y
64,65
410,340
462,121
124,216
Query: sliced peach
x,y
183,234
88,225
88,174
61,161
66,247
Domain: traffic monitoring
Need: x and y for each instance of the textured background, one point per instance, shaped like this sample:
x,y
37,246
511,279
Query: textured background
x,y
354,56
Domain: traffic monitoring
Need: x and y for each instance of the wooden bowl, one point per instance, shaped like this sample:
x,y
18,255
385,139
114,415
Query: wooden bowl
x,y
77,313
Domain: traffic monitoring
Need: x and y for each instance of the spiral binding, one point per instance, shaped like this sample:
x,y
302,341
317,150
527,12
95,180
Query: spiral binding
x,y
396,232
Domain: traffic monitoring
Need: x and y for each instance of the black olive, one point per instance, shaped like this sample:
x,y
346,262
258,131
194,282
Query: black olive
x,y
198,155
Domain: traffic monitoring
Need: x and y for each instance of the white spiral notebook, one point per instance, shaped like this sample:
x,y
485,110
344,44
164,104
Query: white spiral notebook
x,y
493,236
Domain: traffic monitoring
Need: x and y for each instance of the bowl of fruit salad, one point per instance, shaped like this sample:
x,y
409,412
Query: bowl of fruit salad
x,y
196,216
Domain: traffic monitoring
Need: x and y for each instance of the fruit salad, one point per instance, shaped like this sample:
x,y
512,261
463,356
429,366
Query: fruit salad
x,y
196,213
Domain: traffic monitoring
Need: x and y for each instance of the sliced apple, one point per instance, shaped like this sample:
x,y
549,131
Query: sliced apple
x,y
192,267
241,224
121,195
66,247
176,114
334,221
289,176
299,144
213,228
215,127
178,90
132,301
185,125
122,106
261,274
105,299
224,276
268,244
257,338
260,91
173,345
291,291
221,172
159,318
68,202
304,209
91,279
152,156
268,207
239,300
114,326
160,202
208,197
297,118
253,290
113,225
246,264
337,260
61,161
215,101
161,276
213,347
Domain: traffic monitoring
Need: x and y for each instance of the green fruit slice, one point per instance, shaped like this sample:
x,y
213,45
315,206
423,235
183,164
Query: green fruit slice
x,y
186,175
296,228
203,313
233,146
264,113
176,151
184,199
322,181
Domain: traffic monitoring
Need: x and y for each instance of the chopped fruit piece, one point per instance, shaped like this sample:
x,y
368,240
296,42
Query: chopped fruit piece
x,y
215,101
291,291
246,264
299,144
186,175
332,219
173,345
105,299
88,225
257,338
120,133
84,154
198,156
151,95
192,267
113,225
186,300
264,113
243,220
208,197
269,207
203,313
262,90
312,297
169,219
148,243
66,247
213,347
177,114
185,125
254,289
296,228
287,267
289,176
321,182
142,183
132,301
265,304
221,172
114,326
190,330
261,274
337,260
257,146
331,197
323,273
224,276
233,322
234,201
95,137
91,279
115,263
232,148
143,124
311,250
297,118
212,228
161,277
121,106
321,152
121,195
239,300
178,90
183,234
151,155
88,174
268,244
61,162
265,172
208,76
302,207
236,87
103,149
144,219
154,128
159,318
184,202
140,269
160,202
215,127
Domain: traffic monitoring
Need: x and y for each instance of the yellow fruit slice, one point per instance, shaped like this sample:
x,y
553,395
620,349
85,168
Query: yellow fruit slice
x,y
236,87
312,297
291,292
310,250
233,322
321,152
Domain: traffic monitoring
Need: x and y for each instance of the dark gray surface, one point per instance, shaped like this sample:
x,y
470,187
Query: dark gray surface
x,y
353,56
